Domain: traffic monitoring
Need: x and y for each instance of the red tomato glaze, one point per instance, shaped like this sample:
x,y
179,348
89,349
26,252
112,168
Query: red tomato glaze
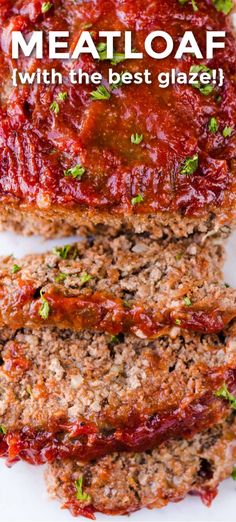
x,y
37,145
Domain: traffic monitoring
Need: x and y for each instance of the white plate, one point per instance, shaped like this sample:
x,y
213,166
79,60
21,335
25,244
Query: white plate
x,y
23,496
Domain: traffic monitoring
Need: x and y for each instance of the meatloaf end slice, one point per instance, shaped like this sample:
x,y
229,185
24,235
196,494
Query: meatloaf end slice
x,y
67,394
125,482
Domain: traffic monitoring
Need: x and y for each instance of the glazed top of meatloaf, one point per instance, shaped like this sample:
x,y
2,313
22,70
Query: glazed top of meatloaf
x,y
179,168
122,483
122,283
55,379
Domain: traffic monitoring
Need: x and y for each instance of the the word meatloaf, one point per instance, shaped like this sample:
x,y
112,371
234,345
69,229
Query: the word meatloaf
x,y
123,483
125,283
83,395
142,155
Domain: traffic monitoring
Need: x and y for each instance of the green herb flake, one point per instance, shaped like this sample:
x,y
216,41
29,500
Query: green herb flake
x,y
137,199
75,172
187,301
62,96
45,308
179,256
193,2
204,89
114,339
213,125
62,252
87,25
102,50
101,93
84,278
136,138
227,132
3,429
54,107
178,322
127,304
80,495
233,474
46,6
223,6
190,165
15,269
224,393
60,278
118,58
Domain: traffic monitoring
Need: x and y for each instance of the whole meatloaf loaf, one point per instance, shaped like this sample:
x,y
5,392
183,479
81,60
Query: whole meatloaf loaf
x,y
123,483
125,283
142,155
84,395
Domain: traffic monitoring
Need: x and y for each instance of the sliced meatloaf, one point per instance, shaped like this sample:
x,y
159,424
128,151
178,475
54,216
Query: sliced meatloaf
x,y
125,283
122,483
83,395
142,154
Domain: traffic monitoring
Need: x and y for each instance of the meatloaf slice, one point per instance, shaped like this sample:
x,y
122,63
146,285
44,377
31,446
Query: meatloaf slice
x,y
141,155
83,395
122,483
124,283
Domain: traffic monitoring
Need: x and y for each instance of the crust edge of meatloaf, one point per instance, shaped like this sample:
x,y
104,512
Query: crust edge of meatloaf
x,y
118,485
57,222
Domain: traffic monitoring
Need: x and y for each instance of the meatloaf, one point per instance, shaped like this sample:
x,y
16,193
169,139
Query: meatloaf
x,y
125,283
123,483
142,155
83,395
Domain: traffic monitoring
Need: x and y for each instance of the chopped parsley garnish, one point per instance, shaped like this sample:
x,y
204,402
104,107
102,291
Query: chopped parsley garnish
x,y
233,474
179,256
127,304
224,393
189,166
80,495
15,269
84,278
137,199
101,93
75,172
87,25
45,308
178,322
60,278
204,89
102,50
114,339
3,429
227,132
46,6
54,107
118,58
62,252
136,138
193,2
62,96
187,301
223,6
213,125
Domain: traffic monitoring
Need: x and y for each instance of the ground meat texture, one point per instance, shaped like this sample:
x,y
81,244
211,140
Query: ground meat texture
x,y
65,394
122,282
123,483
38,146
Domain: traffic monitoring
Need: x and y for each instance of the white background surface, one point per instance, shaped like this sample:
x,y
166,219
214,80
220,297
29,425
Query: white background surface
x,y
23,496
